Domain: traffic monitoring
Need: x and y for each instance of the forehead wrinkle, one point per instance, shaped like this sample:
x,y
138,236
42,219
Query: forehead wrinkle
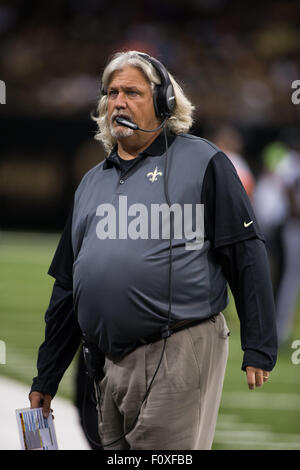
x,y
140,80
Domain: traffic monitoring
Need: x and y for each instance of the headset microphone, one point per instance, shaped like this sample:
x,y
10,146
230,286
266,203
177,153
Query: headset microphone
x,y
132,125
126,123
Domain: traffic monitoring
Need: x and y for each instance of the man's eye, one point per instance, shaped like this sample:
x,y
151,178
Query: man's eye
x,y
112,93
132,93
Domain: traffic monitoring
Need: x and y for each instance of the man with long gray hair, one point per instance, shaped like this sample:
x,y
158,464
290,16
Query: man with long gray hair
x,y
156,233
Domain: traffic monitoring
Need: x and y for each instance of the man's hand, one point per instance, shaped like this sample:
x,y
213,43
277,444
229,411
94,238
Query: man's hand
x,y
41,400
256,377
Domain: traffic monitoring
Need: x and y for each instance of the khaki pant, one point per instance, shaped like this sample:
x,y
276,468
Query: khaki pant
x,y
181,410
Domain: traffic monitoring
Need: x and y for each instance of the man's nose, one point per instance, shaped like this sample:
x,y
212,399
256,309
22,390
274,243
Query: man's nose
x,y
120,102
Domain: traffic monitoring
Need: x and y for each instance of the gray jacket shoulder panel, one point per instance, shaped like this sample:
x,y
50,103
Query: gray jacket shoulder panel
x,y
204,144
196,150
89,175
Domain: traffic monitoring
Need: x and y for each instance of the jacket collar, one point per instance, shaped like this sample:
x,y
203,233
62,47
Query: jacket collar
x,y
155,149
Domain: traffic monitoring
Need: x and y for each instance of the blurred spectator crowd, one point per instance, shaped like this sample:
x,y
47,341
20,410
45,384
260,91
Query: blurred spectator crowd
x,y
236,60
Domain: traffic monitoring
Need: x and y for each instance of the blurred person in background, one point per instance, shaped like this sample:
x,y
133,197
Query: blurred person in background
x,y
230,141
288,170
277,205
117,289
271,205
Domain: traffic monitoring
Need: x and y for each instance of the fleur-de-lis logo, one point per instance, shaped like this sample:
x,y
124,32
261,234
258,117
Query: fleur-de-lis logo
x,y
152,175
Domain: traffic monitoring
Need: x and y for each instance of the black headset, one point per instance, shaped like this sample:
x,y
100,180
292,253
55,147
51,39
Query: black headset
x,y
163,95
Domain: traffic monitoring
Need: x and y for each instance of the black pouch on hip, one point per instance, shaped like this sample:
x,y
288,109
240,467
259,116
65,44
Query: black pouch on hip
x,y
94,360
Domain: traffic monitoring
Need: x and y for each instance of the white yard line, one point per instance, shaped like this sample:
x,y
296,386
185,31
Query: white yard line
x,y
252,440
234,433
13,395
257,400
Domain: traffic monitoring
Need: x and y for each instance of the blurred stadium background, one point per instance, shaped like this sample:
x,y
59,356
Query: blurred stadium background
x,y
236,61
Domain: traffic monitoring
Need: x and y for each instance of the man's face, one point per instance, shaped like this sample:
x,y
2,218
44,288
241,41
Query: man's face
x,y
130,96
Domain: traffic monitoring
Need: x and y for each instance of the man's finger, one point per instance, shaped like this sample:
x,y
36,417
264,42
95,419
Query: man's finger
x,y
259,380
46,405
250,371
266,375
35,399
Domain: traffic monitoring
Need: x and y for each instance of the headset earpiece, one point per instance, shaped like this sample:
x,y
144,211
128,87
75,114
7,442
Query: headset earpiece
x,y
163,95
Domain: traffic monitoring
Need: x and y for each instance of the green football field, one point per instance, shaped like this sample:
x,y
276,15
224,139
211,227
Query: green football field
x,y
266,418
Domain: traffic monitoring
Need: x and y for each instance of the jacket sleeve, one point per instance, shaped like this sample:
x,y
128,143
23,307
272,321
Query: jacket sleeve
x,y
62,339
62,332
246,267
236,239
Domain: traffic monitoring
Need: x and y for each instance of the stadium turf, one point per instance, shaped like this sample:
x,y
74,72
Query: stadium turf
x,y
266,418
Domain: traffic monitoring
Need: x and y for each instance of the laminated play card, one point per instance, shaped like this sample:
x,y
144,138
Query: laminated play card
x,y
36,432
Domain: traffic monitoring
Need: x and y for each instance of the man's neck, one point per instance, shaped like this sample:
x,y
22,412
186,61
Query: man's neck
x,y
129,148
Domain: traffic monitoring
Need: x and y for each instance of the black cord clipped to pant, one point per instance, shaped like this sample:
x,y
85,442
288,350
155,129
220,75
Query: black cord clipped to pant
x,y
84,414
94,366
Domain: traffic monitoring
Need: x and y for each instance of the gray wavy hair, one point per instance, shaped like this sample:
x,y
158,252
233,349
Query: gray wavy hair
x,y
179,122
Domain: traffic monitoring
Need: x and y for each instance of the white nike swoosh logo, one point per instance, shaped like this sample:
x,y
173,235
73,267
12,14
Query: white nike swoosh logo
x,y
247,224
